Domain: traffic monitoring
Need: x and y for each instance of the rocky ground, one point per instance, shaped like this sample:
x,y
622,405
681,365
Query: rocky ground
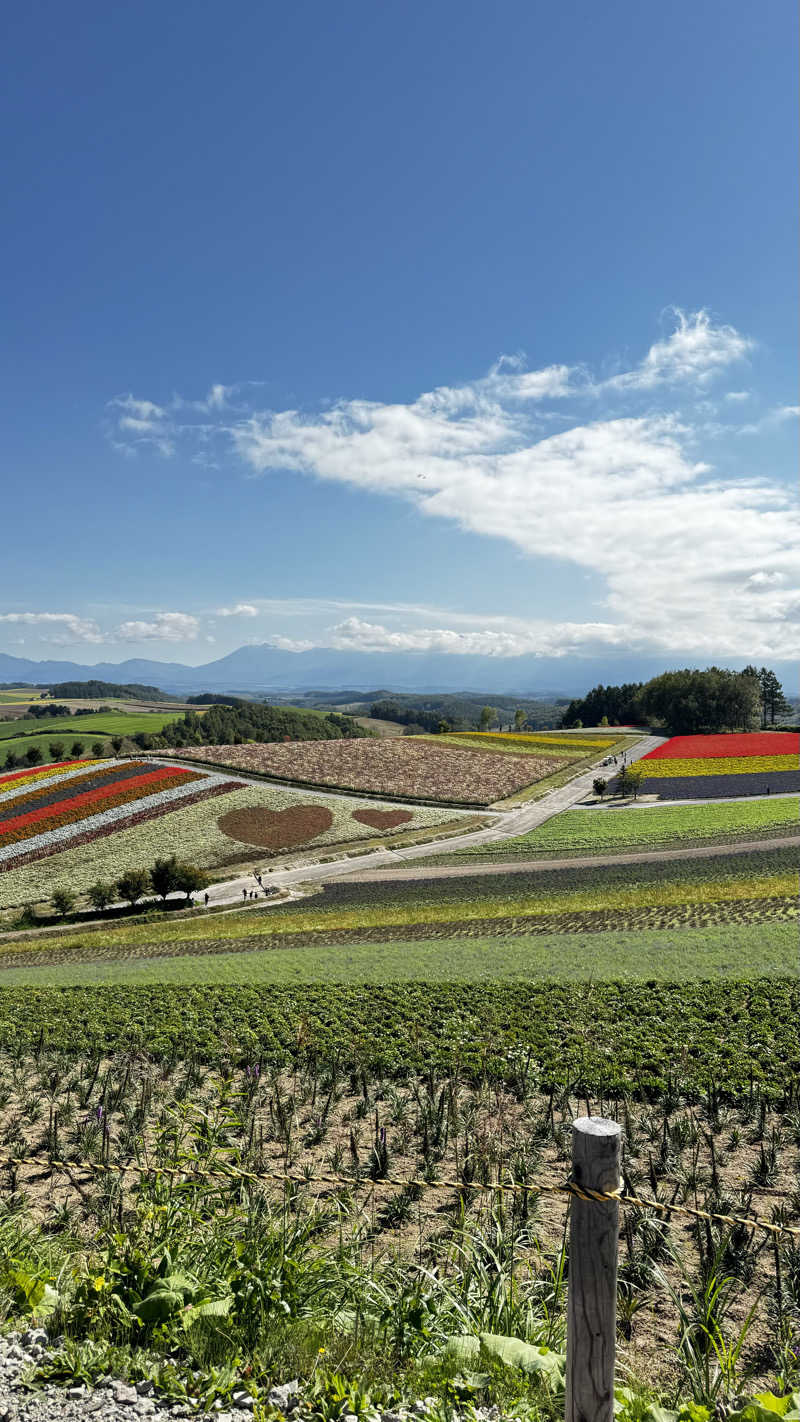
x,y
112,1400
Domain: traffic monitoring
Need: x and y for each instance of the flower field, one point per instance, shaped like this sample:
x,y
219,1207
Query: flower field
x,y
66,805
251,823
532,740
403,767
723,766
745,744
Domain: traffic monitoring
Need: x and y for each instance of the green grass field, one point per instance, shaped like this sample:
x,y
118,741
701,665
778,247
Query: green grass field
x,y
719,951
18,735
609,828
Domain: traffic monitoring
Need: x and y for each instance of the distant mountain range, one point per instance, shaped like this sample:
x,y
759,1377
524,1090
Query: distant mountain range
x,y
263,669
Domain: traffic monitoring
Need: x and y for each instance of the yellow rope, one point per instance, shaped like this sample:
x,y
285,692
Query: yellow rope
x,y
569,1187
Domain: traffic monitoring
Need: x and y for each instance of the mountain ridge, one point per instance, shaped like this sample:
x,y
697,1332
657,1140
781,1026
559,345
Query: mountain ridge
x,y
263,668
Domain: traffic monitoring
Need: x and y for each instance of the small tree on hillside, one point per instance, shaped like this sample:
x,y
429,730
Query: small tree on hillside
x,y
101,895
519,719
33,755
164,876
63,901
133,885
603,720
76,749
117,743
98,749
56,749
190,879
599,785
488,717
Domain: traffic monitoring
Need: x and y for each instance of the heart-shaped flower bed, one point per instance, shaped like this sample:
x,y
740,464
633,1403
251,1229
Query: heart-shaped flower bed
x,y
276,829
383,819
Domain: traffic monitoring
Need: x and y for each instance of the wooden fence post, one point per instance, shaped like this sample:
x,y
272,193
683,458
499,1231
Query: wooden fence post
x,y
592,1282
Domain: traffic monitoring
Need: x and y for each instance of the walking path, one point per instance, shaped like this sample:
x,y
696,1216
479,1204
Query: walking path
x,y
516,866
509,824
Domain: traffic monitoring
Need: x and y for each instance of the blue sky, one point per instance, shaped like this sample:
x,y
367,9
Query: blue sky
x,y
450,327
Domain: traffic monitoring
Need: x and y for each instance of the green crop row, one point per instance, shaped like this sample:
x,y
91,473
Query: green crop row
x,y
612,828
631,1036
711,951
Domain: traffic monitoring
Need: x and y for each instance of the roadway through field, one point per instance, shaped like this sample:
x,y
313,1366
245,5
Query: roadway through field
x,y
508,825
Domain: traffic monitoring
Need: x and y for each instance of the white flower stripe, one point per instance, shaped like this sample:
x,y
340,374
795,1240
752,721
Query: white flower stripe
x,y
24,787
108,818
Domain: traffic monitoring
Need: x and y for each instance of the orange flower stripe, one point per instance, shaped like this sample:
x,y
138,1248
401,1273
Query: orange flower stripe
x,y
74,813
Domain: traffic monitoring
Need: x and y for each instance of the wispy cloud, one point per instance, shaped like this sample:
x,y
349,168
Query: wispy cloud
x,y
779,415
60,628
621,493
696,350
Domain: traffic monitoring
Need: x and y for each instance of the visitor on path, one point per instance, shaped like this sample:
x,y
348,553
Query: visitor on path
x,y
205,900
244,893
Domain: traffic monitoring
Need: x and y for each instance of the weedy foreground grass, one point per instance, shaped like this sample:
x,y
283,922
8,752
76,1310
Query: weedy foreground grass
x,y
200,1279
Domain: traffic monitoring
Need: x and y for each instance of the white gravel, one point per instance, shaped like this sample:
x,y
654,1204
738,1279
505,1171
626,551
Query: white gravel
x,y
112,1400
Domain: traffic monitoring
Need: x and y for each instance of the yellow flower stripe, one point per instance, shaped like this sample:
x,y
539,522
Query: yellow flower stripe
x,y
719,765
771,886
44,772
531,738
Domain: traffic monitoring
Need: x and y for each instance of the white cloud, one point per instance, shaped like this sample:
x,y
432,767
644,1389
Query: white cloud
x,y
624,497
533,639
779,415
61,628
289,644
164,627
737,396
241,609
695,351
765,580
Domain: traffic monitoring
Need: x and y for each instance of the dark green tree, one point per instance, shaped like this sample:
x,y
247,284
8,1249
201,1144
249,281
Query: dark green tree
x,y
190,879
56,749
76,749
133,885
101,895
33,755
164,876
63,901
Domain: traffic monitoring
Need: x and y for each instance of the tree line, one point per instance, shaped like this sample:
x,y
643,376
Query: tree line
x,y
166,876
251,721
686,702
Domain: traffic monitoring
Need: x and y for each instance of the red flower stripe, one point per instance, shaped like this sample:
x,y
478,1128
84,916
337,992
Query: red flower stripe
x,y
744,744
46,851
104,792
52,793
39,769
53,817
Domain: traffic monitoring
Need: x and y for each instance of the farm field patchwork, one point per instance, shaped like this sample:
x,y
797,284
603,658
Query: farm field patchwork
x,y
608,827
177,812
718,767
43,813
404,767
18,735
710,951
741,744
716,884
531,740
